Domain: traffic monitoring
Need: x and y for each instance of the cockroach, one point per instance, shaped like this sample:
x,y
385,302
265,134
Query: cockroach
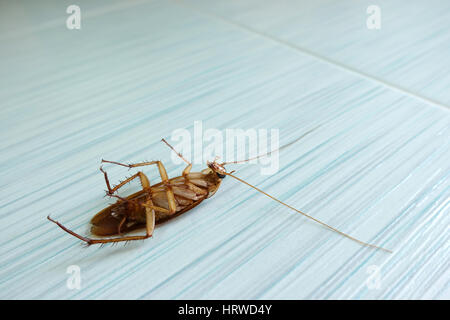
x,y
158,203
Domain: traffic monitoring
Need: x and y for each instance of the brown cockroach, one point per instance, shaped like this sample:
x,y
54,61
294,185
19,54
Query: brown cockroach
x,y
158,203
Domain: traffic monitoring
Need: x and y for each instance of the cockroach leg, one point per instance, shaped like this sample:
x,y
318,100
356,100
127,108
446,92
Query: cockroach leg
x,y
143,178
189,165
121,224
173,149
187,170
150,225
106,180
87,240
124,199
160,209
162,173
169,192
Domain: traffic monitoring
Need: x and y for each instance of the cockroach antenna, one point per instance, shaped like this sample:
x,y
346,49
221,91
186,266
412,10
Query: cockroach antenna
x,y
270,152
308,216
223,171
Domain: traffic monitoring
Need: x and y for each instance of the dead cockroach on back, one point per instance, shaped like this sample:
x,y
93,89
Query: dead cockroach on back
x,y
163,201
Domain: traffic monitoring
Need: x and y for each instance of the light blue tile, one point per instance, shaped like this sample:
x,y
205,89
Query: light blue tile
x,y
376,168
410,52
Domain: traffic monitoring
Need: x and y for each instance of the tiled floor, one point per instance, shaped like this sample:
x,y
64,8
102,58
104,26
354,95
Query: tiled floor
x,y
377,167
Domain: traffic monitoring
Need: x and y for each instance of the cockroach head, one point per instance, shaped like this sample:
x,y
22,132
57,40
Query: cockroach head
x,y
218,168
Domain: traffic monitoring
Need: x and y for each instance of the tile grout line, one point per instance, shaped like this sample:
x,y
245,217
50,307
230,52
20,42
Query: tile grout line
x,y
302,50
